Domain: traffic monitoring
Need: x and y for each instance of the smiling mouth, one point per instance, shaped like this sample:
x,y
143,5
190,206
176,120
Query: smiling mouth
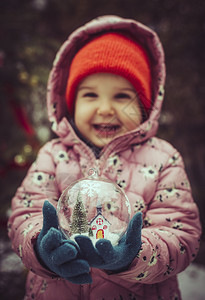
x,y
106,129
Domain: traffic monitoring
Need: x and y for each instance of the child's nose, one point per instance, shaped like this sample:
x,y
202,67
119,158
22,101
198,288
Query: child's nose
x,y
105,107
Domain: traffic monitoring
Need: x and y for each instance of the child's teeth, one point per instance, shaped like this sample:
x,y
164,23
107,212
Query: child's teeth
x,y
108,127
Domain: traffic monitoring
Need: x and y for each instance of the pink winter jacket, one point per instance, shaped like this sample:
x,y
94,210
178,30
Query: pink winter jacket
x,y
149,169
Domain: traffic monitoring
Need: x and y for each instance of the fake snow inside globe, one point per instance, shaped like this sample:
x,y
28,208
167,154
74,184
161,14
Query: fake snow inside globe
x,y
94,207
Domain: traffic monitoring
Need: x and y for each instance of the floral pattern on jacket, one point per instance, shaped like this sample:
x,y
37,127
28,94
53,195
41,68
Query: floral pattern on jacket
x,y
149,169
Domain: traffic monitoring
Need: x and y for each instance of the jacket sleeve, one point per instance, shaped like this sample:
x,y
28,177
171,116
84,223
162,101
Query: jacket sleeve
x,y
26,218
171,232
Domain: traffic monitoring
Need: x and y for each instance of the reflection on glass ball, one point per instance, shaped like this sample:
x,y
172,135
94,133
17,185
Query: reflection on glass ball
x,y
95,207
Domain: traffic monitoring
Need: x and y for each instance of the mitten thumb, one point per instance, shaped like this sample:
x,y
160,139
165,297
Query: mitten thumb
x,y
133,235
50,218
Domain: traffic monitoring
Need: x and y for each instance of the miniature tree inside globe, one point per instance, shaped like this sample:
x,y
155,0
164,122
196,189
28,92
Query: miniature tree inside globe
x,y
95,207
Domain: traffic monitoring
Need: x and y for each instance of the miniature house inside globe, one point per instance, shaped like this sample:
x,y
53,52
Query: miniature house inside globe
x,y
95,207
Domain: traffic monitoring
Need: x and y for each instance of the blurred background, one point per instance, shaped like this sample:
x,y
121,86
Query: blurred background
x,y
31,32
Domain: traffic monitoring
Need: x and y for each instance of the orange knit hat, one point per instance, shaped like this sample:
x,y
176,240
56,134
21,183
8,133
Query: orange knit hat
x,y
111,53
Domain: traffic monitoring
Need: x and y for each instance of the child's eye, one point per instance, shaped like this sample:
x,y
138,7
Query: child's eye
x,y
90,95
122,96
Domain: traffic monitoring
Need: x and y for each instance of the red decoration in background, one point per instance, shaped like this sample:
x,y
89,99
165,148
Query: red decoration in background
x,y
19,112
22,119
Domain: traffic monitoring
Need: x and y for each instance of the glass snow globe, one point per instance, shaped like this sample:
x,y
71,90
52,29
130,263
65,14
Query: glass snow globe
x,y
95,207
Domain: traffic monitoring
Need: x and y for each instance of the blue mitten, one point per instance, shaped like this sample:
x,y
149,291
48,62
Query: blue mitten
x,y
58,254
113,258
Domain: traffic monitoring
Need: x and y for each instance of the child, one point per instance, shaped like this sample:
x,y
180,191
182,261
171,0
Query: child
x,y
109,77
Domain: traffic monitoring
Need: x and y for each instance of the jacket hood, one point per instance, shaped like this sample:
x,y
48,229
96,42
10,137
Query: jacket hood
x,y
56,103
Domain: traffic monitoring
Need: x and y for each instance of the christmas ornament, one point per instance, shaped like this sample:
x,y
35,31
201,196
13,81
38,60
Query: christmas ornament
x,y
95,207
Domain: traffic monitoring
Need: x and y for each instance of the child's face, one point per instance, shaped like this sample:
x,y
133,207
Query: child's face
x,y
106,106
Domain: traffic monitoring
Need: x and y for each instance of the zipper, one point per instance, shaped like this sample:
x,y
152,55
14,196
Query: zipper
x,y
84,291
98,165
